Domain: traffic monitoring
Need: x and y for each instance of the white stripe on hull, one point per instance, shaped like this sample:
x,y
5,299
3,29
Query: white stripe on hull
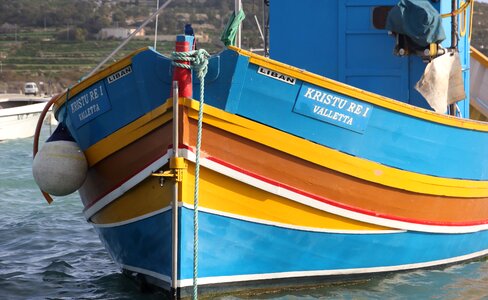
x,y
282,192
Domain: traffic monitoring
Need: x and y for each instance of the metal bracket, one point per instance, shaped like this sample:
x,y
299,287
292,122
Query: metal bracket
x,y
177,166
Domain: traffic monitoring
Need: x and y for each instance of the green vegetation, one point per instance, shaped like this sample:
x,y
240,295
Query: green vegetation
x,y
479,38
51,60
56,40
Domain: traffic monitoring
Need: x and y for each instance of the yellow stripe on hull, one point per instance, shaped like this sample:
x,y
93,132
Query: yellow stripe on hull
x,y
225,195
328,158
229,196
145,198
337,160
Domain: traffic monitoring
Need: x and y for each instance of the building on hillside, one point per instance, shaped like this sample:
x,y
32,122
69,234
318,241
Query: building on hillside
x,y
201,38
118,33
7,28
183,17
201,18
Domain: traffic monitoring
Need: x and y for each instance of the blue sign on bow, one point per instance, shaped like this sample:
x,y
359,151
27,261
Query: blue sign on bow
x,y
334,108
88,104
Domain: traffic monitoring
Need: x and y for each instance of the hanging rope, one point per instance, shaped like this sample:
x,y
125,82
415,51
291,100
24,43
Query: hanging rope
x,y
199,62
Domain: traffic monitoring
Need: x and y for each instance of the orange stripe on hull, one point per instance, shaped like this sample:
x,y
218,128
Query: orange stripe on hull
x,y
305,177
342,189
120,166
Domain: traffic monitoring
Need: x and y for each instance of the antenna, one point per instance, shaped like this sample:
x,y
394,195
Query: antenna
x,y
156,27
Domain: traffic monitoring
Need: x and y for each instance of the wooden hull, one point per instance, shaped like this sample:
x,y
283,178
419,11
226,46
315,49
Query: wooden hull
x,y
287,192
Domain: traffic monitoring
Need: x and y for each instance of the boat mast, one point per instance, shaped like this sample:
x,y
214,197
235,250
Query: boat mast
x,y
266,27
156,27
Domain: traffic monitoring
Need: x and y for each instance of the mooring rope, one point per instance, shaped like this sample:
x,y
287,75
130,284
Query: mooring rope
x,y
199,62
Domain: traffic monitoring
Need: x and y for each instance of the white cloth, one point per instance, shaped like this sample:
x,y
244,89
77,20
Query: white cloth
x,y
442,83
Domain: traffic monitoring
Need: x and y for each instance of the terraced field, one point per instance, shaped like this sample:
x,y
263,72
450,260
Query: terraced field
x,y
37,55
48,56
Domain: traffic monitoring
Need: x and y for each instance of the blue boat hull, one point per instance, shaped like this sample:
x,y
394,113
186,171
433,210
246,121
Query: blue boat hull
x,y
144,246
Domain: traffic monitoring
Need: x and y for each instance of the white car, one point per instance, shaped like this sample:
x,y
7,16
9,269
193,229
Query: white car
x,y
30,88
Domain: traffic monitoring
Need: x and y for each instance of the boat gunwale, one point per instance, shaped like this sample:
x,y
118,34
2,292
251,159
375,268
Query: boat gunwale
x,y
306,76
361,94
87,82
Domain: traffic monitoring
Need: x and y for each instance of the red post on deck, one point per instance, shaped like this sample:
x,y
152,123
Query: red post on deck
x,y
184,43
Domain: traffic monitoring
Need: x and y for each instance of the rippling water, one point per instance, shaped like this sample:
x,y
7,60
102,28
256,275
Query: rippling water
x,y
50,252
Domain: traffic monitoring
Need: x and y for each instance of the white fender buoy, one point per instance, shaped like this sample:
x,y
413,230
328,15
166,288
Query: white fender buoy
x,y
60,167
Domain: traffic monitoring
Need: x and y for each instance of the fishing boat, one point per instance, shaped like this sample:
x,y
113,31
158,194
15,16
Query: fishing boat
x,y
342,154
19,115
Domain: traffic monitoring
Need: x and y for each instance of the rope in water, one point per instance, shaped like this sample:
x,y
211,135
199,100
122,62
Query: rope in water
x,y
199,62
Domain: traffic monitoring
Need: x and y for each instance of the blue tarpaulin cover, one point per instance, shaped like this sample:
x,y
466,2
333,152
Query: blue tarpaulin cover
x,y
418,20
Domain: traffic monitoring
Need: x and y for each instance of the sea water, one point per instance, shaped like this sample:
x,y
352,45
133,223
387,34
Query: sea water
x,y
51,252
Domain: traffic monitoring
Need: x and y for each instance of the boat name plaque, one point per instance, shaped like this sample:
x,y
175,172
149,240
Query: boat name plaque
x,y
334,108
119,74
276,75
88,104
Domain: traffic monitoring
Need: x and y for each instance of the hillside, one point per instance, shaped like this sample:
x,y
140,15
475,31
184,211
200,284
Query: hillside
x,y
479,38
56,42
